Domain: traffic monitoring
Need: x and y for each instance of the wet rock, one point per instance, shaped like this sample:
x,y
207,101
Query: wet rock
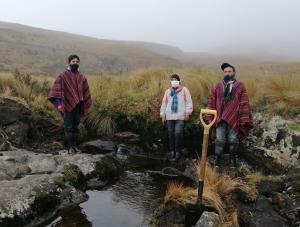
x,y
108,169
168,215
125,151
98,147
171,171
264,214
23,197
20,162
33,186
208,219
95,184
128,137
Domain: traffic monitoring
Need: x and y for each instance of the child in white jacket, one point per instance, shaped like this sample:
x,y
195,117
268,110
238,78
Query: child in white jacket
x,y
176,107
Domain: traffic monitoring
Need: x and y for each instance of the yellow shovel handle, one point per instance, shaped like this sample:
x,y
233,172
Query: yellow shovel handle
x,y
205,140
205,112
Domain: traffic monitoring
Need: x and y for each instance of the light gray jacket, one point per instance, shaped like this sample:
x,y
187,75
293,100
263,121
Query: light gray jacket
x,y
185,105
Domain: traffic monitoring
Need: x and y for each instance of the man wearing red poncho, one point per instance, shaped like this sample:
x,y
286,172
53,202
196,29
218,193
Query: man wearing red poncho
x,y
71,96
234,119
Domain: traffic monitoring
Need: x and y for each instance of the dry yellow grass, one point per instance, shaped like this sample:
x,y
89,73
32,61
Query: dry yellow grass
x,y
216,188
179,194
137,96
232,220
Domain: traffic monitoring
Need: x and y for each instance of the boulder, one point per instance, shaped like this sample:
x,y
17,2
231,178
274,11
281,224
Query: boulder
x,y
98,147
208,219
273,142
128,137
108,169
12,111
17,133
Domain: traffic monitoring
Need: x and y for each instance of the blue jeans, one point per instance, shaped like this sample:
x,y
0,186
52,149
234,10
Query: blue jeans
x,y
226,134
175,131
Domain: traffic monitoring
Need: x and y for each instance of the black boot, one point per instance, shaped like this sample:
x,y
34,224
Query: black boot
x,y
75,143
233,151
69,142
219,148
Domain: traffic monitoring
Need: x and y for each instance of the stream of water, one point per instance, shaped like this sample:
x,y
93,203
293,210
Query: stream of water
x,y
127,202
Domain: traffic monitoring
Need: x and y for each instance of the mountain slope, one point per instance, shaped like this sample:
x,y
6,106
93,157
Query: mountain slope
x,y
44,52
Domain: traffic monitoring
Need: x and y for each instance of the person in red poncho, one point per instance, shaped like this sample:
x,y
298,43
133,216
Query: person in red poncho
x,y
71,96
234,119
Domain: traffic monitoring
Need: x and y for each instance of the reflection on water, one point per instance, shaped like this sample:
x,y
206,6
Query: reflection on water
x,y
125,203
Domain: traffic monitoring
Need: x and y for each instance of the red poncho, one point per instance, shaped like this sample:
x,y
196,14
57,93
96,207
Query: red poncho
x,y
236,112
71,88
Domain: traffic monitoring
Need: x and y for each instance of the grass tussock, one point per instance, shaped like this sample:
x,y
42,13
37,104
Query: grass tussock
x,y
216,188
135,98
179,194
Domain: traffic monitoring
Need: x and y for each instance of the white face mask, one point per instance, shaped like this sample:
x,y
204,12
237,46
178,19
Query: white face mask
x,y
175,83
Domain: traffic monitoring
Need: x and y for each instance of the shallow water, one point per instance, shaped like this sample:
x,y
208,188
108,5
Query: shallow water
x,y
125,203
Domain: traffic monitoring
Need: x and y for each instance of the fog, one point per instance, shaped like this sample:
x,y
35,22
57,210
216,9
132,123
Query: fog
x,y
268,27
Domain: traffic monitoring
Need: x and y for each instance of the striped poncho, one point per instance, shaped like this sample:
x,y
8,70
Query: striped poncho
x,y
236,112
71,88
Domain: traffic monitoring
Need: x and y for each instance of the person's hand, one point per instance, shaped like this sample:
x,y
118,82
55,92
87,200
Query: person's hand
x,y
60,108
186,117
163,119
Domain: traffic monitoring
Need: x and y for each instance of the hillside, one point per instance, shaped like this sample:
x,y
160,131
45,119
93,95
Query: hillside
x,y
41,51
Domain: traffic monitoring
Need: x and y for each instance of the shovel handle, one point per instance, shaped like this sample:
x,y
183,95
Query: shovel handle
x,y
207,112
205,140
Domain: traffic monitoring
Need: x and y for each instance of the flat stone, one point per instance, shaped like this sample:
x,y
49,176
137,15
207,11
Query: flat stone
x,y
128,137
98,147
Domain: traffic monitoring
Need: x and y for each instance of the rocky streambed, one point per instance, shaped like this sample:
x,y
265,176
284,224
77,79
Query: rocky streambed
x,y
117,183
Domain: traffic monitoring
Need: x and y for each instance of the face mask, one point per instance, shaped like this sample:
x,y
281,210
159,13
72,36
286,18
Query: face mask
x,y
74,67
175,83
228,78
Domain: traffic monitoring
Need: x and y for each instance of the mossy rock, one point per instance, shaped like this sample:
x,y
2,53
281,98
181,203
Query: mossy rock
x,y
245,194
257,159
108,168
74,175
256,183
44,202
60,182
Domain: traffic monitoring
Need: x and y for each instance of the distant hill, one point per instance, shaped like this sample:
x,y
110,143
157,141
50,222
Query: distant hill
x,y
43,51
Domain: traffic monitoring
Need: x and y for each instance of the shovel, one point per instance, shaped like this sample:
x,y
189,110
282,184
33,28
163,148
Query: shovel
x,y
194,211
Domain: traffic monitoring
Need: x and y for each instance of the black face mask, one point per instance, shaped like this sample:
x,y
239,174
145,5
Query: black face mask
x,y
74,67
228,78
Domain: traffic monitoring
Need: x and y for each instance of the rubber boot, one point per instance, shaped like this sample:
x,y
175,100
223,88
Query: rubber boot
x,y
233,151
69,142
75,143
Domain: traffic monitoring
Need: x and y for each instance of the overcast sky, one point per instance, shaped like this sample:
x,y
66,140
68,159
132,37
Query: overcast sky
x,y
271,26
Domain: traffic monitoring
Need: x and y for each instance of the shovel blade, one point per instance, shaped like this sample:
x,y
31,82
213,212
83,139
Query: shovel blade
x,y
193,214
